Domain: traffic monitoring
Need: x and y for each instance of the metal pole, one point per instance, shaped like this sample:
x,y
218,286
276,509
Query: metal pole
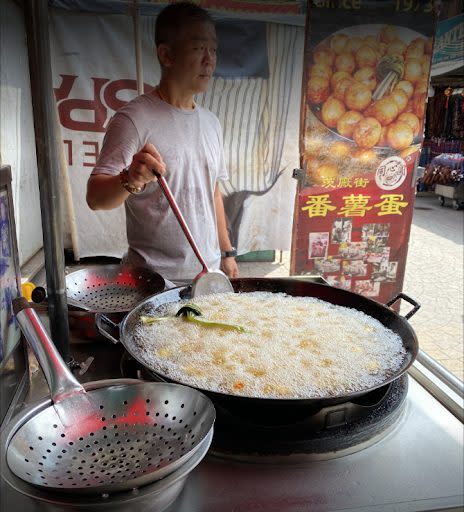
x,y
38,43
138,47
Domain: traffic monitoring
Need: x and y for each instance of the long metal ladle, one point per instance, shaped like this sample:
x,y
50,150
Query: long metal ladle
x,y
207,281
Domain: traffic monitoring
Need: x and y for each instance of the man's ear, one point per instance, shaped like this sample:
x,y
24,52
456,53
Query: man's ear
x,y
164,55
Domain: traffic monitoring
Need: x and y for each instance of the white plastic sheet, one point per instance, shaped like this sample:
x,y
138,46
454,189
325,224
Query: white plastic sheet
x,y
94,73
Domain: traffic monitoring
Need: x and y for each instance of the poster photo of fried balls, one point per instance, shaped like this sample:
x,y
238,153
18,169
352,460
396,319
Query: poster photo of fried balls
x,y
366,94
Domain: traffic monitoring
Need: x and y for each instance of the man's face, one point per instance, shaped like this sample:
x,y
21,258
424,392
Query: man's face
x,y
192,57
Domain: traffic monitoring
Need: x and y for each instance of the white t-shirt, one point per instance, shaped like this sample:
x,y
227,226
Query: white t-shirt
x,y
190,142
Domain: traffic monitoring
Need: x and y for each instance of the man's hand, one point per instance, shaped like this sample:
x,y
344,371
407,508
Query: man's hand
x,y
105,192
143,164
229,267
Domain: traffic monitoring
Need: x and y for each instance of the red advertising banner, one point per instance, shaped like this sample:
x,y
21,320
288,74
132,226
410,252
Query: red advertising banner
x,y
366,75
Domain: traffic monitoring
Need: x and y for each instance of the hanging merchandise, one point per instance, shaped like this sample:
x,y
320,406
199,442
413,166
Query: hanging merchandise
x,y
448,93
457,116
445,114
435,114
366,83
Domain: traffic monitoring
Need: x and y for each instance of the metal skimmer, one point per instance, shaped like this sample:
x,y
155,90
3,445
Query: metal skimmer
x,y
113,438
207,281
111,288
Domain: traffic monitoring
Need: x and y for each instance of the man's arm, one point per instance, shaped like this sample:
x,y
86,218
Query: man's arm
x,y
105,192
228,265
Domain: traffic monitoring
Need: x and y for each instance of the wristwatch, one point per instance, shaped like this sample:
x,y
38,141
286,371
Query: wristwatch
x,y
229,254
124,179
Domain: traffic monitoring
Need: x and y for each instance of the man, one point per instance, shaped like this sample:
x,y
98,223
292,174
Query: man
x,y
164,130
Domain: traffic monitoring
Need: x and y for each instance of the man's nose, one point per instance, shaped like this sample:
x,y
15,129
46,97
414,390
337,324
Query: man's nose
x,y
210,56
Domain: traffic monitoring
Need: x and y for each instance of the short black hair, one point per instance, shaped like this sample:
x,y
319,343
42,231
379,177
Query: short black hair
x,y
171,19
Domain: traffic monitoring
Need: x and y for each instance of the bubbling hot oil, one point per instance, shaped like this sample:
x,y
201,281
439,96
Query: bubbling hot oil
x,y
293,347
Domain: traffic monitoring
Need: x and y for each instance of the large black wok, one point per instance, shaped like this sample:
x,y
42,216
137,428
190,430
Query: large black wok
x,y
295,287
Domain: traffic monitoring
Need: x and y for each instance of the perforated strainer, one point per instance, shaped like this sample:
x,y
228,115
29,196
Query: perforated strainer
x,y
111,288
113,438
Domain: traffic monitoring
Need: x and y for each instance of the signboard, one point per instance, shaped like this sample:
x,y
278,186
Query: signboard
x,y
365,90
448,51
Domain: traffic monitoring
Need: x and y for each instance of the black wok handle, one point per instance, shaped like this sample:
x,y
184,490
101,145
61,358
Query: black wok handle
x,y
407,299
107,327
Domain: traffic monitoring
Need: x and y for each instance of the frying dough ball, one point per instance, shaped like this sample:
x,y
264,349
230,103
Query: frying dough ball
x,y
323,173
388,34
412,120
340,149
338,75
357,96
406,87
367,77
318,89
354,43
365,156
331,111
321,70
345,62
396,48
366,56
414,52
367,132
324,55
338,43
413,70
313,144
399,135
415,49
347,122
385,110
419,42
371,41
400,98
340,88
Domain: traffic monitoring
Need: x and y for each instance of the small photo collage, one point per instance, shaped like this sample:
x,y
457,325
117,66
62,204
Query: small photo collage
x,y
360,266
327,266
353,250
367,288
341,281
341,231
318,245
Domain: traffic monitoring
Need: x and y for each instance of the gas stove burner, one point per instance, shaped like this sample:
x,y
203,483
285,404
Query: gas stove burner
x,y
283,435
328,433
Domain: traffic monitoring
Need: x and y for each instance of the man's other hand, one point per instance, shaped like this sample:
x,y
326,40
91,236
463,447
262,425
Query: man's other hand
x,y
229,267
